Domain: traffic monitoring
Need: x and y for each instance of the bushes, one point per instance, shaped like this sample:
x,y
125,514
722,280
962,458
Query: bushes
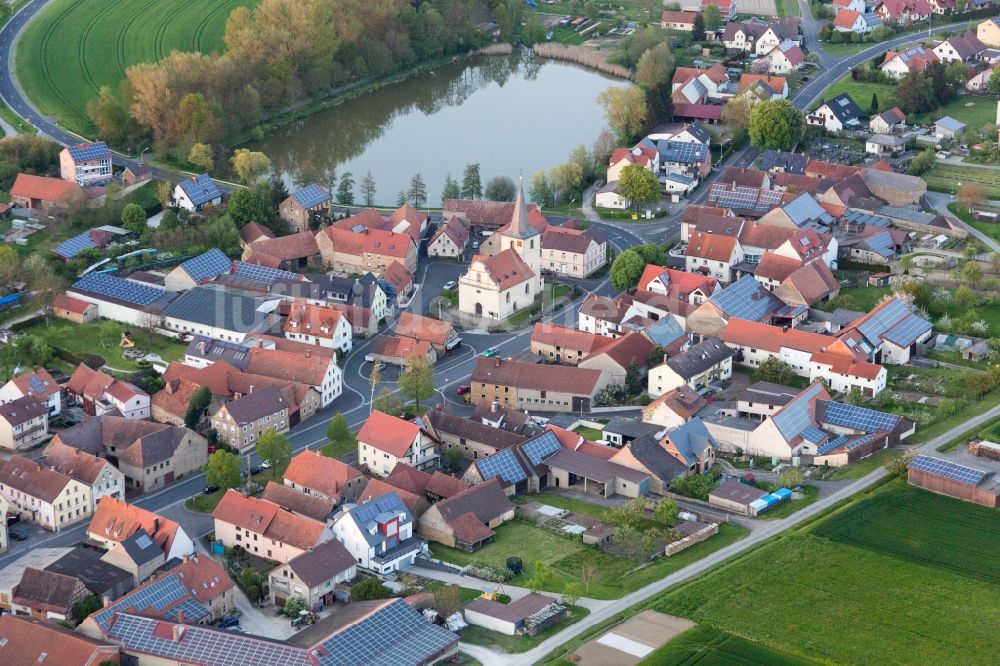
x,y
486,572
370,589
697,486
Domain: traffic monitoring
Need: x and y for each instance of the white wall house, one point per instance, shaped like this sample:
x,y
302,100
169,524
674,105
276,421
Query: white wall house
x,y
379,534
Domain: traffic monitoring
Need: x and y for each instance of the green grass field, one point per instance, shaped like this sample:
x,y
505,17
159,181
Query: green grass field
x,y
102,337
946,178
973,111
901,576
861,93
706,646
74,47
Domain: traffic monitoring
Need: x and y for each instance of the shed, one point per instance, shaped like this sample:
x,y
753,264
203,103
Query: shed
x,y
734,495
529,614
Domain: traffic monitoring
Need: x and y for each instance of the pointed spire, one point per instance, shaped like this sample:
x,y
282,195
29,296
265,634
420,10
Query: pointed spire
x,y
519,226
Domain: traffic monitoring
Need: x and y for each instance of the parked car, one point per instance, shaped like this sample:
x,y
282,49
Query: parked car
x,y
475,245
450,284
462,390
231,621
18,536
490,353
266,464
208,490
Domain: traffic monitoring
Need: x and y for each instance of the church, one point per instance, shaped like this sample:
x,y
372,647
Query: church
x,y
498,286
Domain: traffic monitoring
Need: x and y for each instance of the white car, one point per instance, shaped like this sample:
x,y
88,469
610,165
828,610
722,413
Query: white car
x,y
265,464
450,284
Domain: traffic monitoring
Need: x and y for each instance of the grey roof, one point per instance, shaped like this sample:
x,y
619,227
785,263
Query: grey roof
x,y
473,431
699,358
804,208
214,350
141,548
691,439
265,401
698,131
593,467
737,491
378,510
87,565
630,428
787,162
330,558
951,124
887,140
647,450
769,392
219,308
520,226
844,108
200,189
665,331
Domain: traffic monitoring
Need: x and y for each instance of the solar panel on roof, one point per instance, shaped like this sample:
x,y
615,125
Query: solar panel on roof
x,y
541,447
155,597
858,418
831,445
75,245
388,503
93,151
746,299
311,196
208,265
794,417
503,464
907,332
813,434
118,288
263,273
890,314
861,441
946,469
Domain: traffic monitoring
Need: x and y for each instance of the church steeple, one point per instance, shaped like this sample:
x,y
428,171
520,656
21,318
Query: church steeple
x,y
519,226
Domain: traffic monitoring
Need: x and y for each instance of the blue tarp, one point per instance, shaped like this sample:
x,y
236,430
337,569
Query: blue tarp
x,y
783,493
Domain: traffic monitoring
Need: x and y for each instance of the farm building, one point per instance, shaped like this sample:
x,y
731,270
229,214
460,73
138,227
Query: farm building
x,y
528,615
969,484
734,495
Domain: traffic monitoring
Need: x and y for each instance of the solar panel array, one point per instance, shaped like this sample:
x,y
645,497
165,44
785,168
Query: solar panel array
x,y
858,418
153,599
747,299
891,314
685,153
388,503
209,647
831,445
946,469
861,441
503,464
118,288
201,189
263,273
311,195
881,244
813,435
208,265
541,447
861,217
75,245
906,333
794,418
93,151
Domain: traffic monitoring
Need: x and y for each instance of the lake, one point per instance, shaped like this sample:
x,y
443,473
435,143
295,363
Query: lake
x,y
512,114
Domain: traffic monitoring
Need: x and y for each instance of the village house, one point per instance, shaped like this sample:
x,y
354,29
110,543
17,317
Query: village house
x,y
858,22
785,58
318,325
297,502
604,315
115,521
44,195
314,576
313,474
48,498
712,255
150,455
897,64
86,164
838,114
573,253
474,439
99,393
618,358
947,127
695,86
686,450
988,32
38,384
240,423
681,21
104,479
134,174
194,193
537,387
644,156
296,362
385,440
46,595
885,145
24,422
299,208
467,520
562,344
853,5
980,81
347,251
965,47
398,351
449,240
889,121
218,313
379,534
138,555
264,529
776,86
706,362
290,253
674,408
903,12
743,35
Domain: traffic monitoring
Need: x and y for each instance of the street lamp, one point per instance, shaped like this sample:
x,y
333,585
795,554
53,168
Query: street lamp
x,y
143,153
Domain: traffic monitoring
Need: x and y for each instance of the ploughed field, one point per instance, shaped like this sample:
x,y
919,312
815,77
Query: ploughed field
x,y
73,47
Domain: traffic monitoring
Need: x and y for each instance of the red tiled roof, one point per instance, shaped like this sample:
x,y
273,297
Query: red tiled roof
x,y
813,281
41,376
776,83
698,111
711,246
568,338
506,268
408,478
372,241
393,346
444,485
626,349
776,267
424,328
204,578
286,248
557,378
678,17
846,18
269,520
455,230
388,433
43,188
397,275
315,320
64,302
28,641
376,488
252,232
116,520
311,469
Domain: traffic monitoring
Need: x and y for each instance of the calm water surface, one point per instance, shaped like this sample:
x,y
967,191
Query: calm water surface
x,y
513,115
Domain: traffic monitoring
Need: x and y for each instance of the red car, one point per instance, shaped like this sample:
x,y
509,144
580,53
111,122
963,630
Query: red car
x,y
462,390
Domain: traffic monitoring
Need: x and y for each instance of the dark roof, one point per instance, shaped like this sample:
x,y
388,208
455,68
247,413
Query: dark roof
x,y
844,108
200,189
699,358
787,162
257,404
736,491
647,450
592,467
218,308
87,565
486,501
22,410
47,590
769,392
628,427
140,547
515,611
325,561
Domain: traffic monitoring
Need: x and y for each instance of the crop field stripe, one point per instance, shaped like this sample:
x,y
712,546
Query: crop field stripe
x,y
83,51
196,38
123,34
158,41
44,60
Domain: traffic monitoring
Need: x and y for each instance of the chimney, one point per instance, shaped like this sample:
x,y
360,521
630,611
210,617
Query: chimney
x,y
309,353
251,388
179,628
156,525
185,558
194,557
495,406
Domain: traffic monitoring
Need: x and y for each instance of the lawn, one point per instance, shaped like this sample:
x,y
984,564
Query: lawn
x,y
973,111
102,337
204,503
948,177
514,644
991,229
565,556
593,434
706,646
861,299
333,450
73,47
861,92
900,576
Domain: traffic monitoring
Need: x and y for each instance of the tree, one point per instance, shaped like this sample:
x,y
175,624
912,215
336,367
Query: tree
x,y
133,218
293,606
914,93
699,27
625,110
922,162
776,124
633,378
201,156
197,404
994,82
500,188
666,511
108,114
736,114
339,433
45,288
963,297
86,606
417,381
626,270
164,192
792,477
10,264
873,107
472,186
345,190
973,272
274,447
655,67
368,188
582,157
417,194
245,205
638,185
656,356
589,573
388,402
195,119
713,17
370,589
540,189
971,195
900,464
451,189
452,458
540,577
223,470
572,590
566,179
604,145
941,85
448,600
279,191
774,370
250,165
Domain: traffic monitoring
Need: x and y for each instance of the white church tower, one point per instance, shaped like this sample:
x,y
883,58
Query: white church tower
x,y
523,238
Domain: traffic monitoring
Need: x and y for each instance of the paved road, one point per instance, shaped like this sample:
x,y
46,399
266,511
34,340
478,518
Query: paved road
x,y
939,201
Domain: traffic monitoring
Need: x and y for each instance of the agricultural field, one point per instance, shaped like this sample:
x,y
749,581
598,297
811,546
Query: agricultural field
x,y
946,178
706,646
900,576
74,47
